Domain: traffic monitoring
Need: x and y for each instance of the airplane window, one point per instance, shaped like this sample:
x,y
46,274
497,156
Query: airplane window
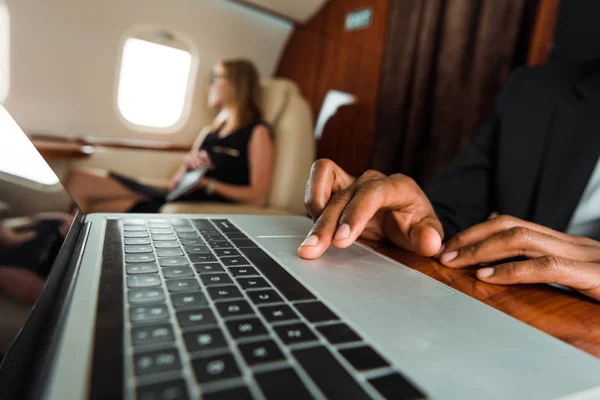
x,y
18,157
153,83
4,51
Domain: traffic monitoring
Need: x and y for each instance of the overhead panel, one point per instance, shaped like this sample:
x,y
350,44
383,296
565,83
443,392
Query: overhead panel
x,y
296,10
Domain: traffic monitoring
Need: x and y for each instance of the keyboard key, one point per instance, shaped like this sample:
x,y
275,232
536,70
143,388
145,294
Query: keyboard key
x,y
193,242
227,252
253,283
189,300
134,228
225,225
138,249
136,234
394,386
295,333
185,229
316,312
236,235
210,369
278,313
339,333
246,328
133,258
220,245
142,268
244,243
152,334
215,279
242,271
134,221
281,279
202,258
142,296
163,237
168,252
234,308
166,245
137,241
364,358
238,393
154,313
180,285
202,224
173,261
197,249
159,225
153,362
206,339
171,390
234,261
143,281
161,231
196,318
177,272
264,297
212,231
179,222
282,384
224,293
214,237
330,376
188,235
208,268
261,352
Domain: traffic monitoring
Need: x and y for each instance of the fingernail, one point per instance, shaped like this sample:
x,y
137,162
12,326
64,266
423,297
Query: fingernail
x,y
450,256
485,272
312,241
439,253
343,232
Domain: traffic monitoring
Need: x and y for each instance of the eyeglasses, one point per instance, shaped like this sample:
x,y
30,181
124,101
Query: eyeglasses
x,y
215,77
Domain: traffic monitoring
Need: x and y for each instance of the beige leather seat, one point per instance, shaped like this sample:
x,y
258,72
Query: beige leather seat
x,y
291,118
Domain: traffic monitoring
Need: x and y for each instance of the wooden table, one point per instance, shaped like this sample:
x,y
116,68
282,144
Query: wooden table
x,y
568,316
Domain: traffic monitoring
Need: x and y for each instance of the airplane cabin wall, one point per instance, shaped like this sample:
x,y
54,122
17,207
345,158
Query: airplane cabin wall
x,y
322,56
65,54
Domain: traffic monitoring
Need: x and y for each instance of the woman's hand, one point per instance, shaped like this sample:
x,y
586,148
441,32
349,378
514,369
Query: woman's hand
x,y
373,206
554,257
197,159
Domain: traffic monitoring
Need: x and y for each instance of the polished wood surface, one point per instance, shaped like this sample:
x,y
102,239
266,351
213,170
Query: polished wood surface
x,y
322,56
543,33
52,150
119,143
566,315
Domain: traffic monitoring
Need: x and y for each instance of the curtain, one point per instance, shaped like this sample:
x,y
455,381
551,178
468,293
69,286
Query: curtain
x,y
444,65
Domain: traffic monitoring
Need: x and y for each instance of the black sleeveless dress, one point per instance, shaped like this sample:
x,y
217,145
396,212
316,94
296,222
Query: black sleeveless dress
x,y
229,156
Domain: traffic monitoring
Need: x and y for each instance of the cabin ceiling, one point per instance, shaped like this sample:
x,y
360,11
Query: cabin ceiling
x,y
296,10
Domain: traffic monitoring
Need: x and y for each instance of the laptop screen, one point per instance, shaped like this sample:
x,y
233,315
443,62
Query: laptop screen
x,y
35,215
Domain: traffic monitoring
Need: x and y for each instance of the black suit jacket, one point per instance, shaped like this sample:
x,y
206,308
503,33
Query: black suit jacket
x,y
534,157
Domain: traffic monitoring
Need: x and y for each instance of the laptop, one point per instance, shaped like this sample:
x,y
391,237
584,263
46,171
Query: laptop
x,y
221,307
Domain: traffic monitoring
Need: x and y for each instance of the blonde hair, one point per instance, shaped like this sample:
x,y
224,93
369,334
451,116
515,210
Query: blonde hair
x,y
244,78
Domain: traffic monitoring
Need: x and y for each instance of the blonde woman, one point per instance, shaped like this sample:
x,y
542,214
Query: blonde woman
x,y
237,148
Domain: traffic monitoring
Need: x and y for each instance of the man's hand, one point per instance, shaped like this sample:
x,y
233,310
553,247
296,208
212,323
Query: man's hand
x,y
373,207
554,257
197,159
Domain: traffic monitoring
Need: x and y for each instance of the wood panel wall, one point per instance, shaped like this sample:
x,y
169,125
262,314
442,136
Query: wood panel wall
x,y
321,56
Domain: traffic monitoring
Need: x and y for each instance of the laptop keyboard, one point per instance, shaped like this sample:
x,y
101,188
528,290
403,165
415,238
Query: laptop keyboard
x,y
211,315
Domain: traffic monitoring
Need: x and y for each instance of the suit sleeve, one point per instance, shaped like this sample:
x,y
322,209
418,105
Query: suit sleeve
x,y
464,194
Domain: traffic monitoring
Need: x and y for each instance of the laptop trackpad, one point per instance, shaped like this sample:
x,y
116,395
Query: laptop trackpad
x,y
355,271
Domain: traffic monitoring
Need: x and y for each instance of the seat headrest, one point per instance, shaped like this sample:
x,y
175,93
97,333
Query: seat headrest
x,y
274,97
